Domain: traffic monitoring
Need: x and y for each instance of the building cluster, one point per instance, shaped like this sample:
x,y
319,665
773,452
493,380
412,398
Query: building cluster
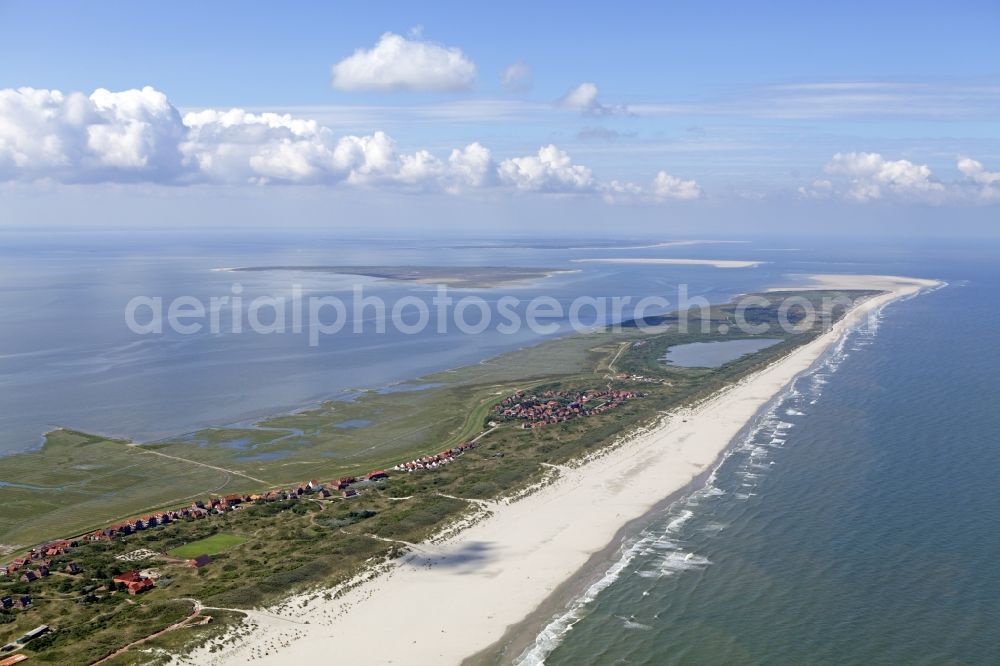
x,y
631,377
23,602
134,582
536,410
219,505
38,563
433,462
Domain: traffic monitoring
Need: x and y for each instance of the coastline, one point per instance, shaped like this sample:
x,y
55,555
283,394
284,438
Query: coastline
x,y
508,572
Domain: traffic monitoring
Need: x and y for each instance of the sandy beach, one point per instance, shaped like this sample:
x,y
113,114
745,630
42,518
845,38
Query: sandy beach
x,y
446,601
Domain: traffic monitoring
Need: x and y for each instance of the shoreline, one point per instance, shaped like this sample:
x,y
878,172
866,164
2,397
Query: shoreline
x,y
484,588
521,636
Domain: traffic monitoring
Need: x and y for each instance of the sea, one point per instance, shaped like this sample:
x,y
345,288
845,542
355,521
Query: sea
x,y
855,521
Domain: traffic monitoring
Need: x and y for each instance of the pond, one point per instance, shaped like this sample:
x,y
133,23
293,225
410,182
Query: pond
x,y
714,354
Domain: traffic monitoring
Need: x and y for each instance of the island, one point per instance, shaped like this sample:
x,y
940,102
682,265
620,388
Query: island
x,y
460,277
490,489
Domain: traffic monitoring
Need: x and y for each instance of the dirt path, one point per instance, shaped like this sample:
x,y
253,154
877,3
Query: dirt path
x,y
201,464
195,608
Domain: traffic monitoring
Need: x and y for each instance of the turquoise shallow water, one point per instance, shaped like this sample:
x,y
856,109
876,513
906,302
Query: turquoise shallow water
x,y
857,524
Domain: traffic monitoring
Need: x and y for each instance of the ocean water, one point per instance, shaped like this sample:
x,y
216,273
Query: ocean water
x,y
855,523
68,359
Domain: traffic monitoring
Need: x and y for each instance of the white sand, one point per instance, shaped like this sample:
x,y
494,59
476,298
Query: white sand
x,y
717,263
448,601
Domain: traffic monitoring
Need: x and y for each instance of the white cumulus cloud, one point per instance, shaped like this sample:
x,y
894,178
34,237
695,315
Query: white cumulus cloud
x,y
118,135
550,170
398,63
989,181
871,176
473,166
584,98
976,172
662,188
666,186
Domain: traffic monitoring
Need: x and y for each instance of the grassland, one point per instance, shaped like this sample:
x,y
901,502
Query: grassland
x,y
213,545
264,551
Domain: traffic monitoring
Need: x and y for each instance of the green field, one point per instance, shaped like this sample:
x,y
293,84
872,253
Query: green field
x,y
213,545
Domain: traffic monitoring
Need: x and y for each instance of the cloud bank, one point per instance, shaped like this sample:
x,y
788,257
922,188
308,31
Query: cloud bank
x,y
137,136
397,63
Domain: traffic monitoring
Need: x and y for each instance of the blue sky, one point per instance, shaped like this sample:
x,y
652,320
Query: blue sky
x,y
247,54
869,103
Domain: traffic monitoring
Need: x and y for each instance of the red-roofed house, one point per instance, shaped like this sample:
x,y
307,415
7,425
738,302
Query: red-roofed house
x,y
141,585
127,577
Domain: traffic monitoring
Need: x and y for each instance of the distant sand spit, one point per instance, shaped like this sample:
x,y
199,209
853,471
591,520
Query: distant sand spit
x,y
717,263
446,601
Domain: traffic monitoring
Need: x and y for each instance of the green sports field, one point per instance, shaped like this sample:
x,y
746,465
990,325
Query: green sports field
x,y
213,545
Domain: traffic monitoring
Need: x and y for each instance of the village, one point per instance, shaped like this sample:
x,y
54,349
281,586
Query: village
x,y
56,558
38,563
549,407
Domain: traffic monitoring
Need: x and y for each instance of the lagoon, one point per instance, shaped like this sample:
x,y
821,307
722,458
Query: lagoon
x,y
714,354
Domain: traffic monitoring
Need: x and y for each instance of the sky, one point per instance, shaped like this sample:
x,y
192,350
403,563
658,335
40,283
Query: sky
x,y
646,116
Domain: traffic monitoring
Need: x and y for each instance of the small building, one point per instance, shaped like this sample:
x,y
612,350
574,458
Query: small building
x,y
350,492
72,568
6,602
199,562
377,475
33,634
28,577
24,601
